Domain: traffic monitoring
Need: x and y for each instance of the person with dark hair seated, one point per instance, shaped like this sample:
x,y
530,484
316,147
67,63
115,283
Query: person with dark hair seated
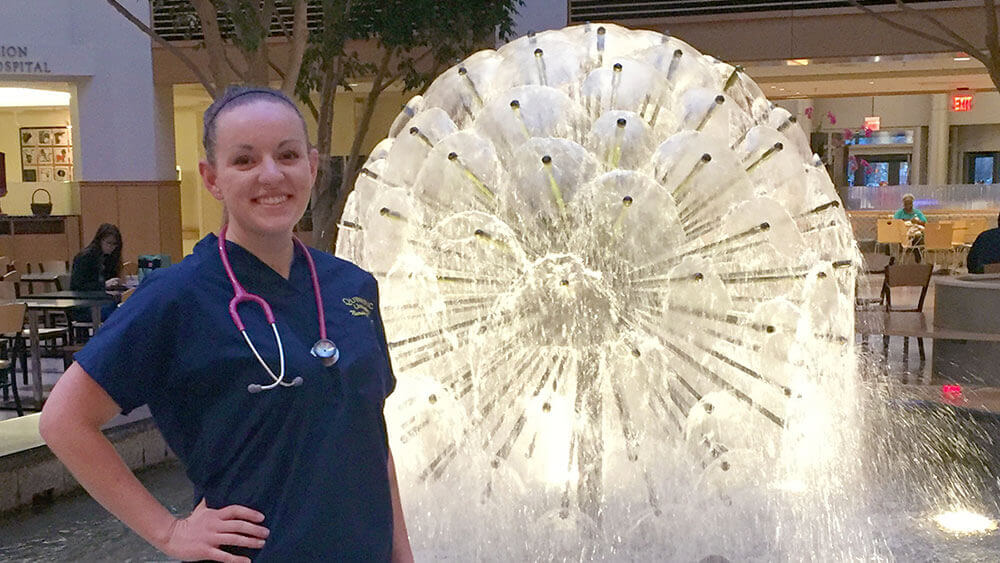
x,y
985,250
97,267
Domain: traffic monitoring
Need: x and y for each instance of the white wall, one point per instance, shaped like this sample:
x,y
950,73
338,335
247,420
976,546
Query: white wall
x,y
118,133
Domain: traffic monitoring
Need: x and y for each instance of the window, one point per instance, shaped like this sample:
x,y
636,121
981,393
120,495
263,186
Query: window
x,y
982,168
878,170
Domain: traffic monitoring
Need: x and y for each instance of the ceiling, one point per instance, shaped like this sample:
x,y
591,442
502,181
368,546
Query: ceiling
x,y
903,74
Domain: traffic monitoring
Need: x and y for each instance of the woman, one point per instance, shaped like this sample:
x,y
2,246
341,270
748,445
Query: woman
x,y
285,443
98,266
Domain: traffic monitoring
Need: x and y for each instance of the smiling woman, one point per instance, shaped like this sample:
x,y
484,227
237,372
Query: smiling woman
x,y
294,468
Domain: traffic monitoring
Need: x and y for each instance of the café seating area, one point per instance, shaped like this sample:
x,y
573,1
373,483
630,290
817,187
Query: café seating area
x,y
40,318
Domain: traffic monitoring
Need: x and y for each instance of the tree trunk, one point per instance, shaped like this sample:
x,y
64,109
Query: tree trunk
x,y
214,47
327,186
353,165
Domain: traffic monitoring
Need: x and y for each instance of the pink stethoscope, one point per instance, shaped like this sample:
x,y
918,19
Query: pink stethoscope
x,y
324,348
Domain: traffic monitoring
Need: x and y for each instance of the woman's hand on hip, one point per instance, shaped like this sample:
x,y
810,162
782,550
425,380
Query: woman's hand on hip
x,y
200,535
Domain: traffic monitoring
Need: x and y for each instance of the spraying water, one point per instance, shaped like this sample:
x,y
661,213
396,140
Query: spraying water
x,y
618,292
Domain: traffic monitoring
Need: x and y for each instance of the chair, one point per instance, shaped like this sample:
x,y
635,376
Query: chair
x,y
906,275
128,293
873,263
54,267
991,269
10,286
937,239
11,320
890,232
975,226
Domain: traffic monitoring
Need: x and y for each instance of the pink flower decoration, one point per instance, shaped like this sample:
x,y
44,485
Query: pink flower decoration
x,y
831,117
868,132
848,133
809,112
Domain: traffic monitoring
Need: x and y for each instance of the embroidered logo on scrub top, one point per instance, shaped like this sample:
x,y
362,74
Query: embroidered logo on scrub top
x,y
359,307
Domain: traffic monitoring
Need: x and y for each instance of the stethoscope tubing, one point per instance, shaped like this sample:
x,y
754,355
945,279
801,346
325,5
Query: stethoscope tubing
x,y
241,295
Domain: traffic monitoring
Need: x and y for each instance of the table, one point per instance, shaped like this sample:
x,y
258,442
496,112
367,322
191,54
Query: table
x,y
40,303
43,277
900,323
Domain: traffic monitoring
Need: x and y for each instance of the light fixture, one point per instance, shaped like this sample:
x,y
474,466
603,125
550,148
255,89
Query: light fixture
x,y
965,522
797,62
32,97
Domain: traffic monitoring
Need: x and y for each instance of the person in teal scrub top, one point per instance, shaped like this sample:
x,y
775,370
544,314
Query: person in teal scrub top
x,y
910,213
917,219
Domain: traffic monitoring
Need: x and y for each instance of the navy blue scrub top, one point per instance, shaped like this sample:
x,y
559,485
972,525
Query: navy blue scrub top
x,y
313,458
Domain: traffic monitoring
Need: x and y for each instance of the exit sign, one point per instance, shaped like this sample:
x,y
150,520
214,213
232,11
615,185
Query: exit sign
x,y
961,101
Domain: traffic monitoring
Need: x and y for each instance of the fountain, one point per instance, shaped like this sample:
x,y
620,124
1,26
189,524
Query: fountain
x,y
618,293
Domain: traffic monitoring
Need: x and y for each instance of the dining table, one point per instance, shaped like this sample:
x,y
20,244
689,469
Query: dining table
x,y
42,278
40,303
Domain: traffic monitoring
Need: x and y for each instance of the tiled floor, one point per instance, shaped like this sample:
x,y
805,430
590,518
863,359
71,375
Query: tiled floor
x,y
52,368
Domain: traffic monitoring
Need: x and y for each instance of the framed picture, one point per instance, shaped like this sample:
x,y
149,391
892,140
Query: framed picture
x,y
61,137
63,173
62,155
46,154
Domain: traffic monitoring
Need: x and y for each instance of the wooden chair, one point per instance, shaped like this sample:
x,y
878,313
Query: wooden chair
x,y
10,286
991,269
11,321
938,239
128,293
873,264
890,232
975,226
54,267
906,275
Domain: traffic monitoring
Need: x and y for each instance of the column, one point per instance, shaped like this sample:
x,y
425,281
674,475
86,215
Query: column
x,y
937,141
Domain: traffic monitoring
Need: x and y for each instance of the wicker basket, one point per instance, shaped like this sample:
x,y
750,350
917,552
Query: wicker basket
x,y
41,209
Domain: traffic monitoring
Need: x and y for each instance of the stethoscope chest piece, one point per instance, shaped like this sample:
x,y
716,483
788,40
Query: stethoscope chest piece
x,y
326,351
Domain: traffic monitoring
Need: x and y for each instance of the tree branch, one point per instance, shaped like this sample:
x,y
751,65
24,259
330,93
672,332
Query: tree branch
x,y
208,16
906,28
240,73
391,79
967,46
209,85
299,41
992,34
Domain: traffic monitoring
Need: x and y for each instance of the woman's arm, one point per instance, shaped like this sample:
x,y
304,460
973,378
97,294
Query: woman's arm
x,y
71,424
401,552
86,273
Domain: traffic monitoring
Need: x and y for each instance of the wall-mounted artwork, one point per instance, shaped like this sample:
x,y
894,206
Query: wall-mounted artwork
x,y
46,154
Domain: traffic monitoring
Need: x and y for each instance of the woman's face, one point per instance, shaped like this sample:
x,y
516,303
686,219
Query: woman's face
x,y
263,170
108,245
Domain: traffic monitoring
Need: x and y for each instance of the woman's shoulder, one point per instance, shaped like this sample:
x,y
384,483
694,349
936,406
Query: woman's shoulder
x,y
344,271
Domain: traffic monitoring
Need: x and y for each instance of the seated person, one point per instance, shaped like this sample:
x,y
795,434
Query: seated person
x,y
97,267
916,219
910,213
985,250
